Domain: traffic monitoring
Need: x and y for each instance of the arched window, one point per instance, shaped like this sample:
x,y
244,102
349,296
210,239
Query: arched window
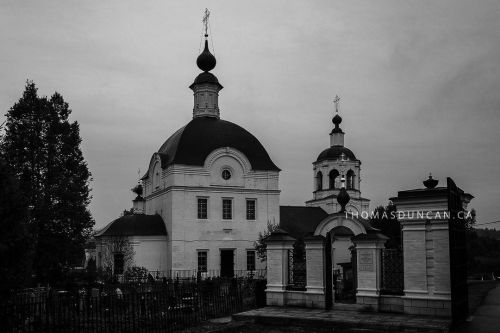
x,y
334,174
319,181
350,179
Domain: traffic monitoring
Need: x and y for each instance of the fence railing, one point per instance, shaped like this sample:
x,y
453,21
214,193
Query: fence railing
x,y
297,274
392,272
190,274
159,307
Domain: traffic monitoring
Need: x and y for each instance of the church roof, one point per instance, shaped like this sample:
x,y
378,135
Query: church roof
x,y
334,153
299,221
135,225
191,144
206,77
334,196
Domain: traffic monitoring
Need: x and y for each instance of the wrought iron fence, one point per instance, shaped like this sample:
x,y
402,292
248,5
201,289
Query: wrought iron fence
x,y
297,274
189,274
392,272
159,307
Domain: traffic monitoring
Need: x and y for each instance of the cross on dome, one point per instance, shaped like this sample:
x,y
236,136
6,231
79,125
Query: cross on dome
x,y
336,101
205,21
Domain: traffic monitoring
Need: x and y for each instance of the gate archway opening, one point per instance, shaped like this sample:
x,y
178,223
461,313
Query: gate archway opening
x,y
340,257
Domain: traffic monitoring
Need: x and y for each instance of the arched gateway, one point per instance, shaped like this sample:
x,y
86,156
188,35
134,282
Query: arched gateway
x,y
340,256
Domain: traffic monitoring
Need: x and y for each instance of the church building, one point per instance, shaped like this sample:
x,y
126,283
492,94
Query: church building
x,y
209,190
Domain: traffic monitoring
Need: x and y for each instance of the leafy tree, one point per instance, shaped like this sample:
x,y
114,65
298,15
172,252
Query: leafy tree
x,y
15,239
43,147
260,245
136,274
116,245
385,219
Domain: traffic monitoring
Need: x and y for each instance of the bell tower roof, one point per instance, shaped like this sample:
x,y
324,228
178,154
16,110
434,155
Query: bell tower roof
x,y
206,86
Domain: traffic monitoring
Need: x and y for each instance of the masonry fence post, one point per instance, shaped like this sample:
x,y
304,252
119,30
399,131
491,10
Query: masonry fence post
x,y
277,246
369,269
315,267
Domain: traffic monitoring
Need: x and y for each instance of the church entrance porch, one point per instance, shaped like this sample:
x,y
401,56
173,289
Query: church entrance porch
x,y
227,263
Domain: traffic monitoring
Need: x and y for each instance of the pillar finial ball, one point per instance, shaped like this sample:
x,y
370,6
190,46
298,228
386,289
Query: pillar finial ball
x,y
430,182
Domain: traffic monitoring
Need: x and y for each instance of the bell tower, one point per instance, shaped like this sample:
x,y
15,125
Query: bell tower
x,y
206,86
337,167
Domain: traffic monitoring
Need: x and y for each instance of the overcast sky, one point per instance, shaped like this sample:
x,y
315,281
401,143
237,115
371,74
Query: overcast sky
x,y
419,83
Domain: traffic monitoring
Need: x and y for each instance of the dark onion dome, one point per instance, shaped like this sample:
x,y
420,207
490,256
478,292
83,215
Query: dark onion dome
x,y
191,144
334,153
206,77
336,121
135,225
206,60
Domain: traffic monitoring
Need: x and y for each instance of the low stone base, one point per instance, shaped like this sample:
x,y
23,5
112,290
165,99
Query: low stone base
x,y
392,304
369,301
429,306
275,297
295,298
315,300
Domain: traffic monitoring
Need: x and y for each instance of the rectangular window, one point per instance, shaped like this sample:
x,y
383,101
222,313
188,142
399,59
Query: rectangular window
x,y
227,209
251,203
202,208
202,261
118,261
251,260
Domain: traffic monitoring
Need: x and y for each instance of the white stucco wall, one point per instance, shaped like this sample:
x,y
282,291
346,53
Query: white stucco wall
x,y
149,251
176,201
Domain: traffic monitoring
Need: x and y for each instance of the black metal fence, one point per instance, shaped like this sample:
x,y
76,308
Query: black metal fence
x,y
159,307
392,272
297,274
211,273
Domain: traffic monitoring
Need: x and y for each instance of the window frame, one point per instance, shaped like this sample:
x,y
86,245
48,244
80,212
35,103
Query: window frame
x,y
198,199
198,257
231,211
254,261
254,209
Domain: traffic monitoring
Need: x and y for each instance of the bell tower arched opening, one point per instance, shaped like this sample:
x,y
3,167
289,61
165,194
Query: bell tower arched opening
x,y
319,181
334,178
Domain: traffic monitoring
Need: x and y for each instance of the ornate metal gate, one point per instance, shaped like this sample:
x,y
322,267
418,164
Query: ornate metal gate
x,y
458,253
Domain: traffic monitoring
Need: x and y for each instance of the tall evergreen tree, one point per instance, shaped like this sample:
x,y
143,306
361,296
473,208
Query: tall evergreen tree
x,y
43,147
15,240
